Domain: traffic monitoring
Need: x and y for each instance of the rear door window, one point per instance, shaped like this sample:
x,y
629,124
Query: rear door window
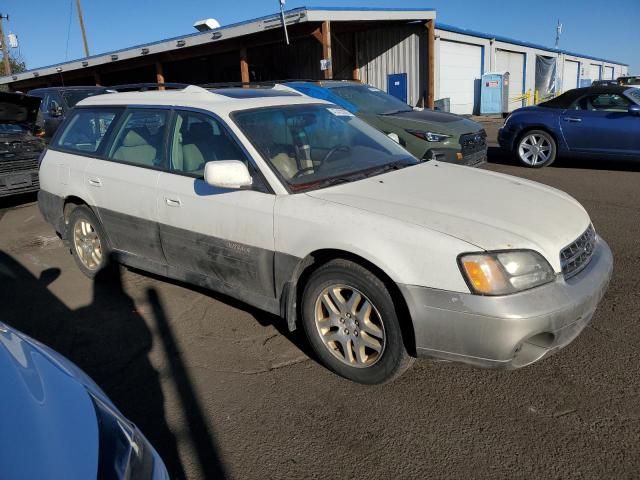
x,y
87,129
140,139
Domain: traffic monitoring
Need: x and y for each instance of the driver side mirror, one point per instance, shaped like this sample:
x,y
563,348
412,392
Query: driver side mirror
x,y
227,174
634,110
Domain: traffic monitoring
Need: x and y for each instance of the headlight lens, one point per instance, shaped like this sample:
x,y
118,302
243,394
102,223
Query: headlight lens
x,y
502,273
429,136
124,452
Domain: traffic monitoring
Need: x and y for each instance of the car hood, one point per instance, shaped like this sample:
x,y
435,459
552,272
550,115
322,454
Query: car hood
x,y
49,427
439,122
488,210
17,108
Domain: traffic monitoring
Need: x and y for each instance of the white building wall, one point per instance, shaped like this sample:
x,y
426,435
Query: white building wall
x,y
490,64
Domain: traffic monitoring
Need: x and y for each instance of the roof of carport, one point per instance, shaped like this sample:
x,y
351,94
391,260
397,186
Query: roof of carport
x,y
269,22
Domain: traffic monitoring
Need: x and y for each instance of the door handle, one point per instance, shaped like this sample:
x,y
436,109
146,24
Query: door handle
x,y
572,119
95,182
172,202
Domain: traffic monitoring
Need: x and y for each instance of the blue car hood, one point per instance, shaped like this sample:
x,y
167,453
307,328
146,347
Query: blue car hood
x,y
48,426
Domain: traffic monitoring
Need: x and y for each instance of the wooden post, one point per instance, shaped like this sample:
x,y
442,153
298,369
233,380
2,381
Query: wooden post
x,y
355,75
244,66
326,48
96,77
431,64
159,75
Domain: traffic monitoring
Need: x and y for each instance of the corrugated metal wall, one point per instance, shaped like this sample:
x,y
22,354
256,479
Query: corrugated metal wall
x,y
401,49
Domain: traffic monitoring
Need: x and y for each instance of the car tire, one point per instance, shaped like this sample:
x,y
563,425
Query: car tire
x,y
536,149
352,324
89,246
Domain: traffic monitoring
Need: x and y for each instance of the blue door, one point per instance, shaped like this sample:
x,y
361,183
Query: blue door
x,y
397,86
600,123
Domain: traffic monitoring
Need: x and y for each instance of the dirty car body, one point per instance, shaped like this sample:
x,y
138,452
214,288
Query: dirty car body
x,y
19,147
298,189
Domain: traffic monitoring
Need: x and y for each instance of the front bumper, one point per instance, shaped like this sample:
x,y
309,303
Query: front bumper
x,y
450,155
510,331
506,139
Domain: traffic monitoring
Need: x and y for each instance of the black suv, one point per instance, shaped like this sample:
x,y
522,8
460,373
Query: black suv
x,y
20,148
56,103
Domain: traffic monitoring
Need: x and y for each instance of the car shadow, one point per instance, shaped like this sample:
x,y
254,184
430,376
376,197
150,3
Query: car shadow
x,y
111,342
501,157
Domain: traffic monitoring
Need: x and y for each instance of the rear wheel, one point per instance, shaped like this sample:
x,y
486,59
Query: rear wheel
x,y
351,323
536,149
89,246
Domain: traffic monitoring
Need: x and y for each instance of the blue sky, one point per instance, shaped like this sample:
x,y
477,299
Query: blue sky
x,y
609,29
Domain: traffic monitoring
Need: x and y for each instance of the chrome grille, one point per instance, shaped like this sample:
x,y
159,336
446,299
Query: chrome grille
x,y
575,257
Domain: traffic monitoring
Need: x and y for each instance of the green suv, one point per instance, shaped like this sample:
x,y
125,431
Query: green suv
x,y
427,134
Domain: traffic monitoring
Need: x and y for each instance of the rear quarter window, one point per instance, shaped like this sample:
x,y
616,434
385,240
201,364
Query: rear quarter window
x,y
87,130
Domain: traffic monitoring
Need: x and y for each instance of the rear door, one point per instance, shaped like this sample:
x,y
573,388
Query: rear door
x,y
601,124
123,183
225,235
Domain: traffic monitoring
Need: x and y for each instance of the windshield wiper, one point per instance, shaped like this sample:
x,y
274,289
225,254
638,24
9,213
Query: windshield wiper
x,y
400,164
393,112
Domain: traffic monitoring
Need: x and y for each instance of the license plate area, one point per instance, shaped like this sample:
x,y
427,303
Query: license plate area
x,y
18,180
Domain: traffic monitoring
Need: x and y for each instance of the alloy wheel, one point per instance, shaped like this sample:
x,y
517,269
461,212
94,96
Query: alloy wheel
x,y
350,326
87,244
535,149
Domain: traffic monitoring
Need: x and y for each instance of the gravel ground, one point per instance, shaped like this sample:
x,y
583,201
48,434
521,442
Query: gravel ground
x,y
223,390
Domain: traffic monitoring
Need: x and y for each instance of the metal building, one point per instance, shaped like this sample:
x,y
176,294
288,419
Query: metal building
x,y
367,44
386,47
462,56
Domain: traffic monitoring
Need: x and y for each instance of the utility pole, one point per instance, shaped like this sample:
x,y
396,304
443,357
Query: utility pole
x,y
84,33
5,51
558,33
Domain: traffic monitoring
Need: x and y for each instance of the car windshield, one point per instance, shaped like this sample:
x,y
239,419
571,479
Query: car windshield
x,y
71,97
629,81
314,146
11,128
371,100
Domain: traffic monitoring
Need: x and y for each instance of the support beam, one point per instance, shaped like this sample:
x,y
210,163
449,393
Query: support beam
x,y
244,66
96,78
431,64
159,74
355,75
326,48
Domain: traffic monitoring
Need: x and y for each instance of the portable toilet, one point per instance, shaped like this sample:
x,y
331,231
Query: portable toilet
x,y
494,93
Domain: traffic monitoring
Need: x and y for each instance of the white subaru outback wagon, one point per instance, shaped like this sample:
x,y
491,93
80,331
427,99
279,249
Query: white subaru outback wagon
x,y
297,207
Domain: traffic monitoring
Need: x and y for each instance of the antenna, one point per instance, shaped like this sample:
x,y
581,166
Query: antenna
x,y
558,33
284,23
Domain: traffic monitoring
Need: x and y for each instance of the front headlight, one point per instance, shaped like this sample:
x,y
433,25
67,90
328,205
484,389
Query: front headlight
x,y
124,452
502,273
429,136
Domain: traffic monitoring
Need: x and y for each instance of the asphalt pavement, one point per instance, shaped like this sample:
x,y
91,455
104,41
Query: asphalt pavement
x,y
223,390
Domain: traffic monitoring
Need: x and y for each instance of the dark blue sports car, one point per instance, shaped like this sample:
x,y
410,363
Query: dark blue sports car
x,y
595,122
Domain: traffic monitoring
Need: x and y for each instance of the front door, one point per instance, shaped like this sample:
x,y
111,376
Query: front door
x,y
123,185
224,235
600,123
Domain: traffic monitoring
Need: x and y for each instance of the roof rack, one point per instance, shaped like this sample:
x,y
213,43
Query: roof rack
x,y
260,84
143,87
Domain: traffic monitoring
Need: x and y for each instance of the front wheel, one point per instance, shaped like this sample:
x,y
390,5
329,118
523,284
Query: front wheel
x,y
351,322
537,149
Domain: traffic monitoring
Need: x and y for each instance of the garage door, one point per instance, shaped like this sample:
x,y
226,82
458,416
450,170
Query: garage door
x,y
608,73
570,73
512,62
460,73
594,72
